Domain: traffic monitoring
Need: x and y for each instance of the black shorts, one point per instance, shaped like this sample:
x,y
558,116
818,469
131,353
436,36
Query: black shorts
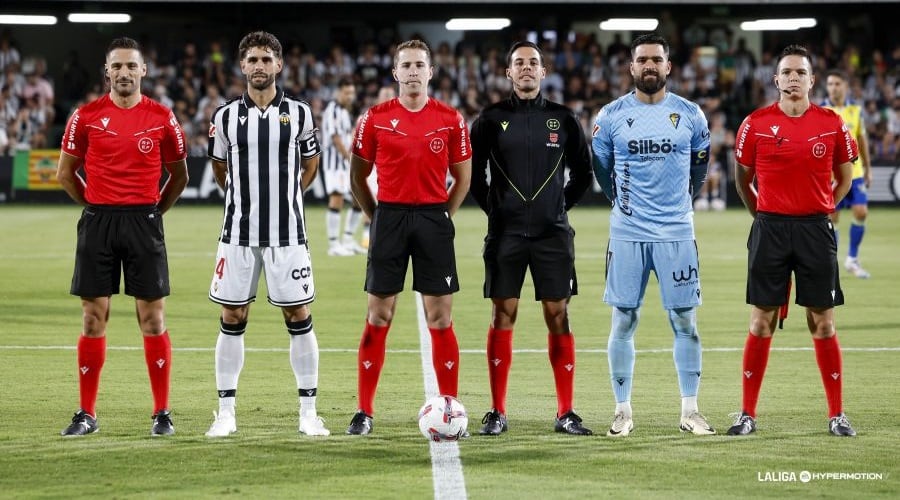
x,y
779,245
424,233
111,239
550,257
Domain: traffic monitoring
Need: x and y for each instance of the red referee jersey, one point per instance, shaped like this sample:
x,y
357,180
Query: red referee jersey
x,y
794,157
123,149
412,149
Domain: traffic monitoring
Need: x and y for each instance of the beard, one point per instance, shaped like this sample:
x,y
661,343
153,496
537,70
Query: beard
x,y
651,85
124,88
261,84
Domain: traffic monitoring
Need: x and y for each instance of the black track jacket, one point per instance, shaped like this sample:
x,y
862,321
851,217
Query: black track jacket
x,y
526,145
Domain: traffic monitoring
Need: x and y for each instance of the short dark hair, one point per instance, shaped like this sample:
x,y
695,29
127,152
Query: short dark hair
x,y
345,81
650,39
123,43
838,73
516,46
259,39
794,50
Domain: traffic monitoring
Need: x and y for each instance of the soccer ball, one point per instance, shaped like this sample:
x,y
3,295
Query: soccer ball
x,y
443,418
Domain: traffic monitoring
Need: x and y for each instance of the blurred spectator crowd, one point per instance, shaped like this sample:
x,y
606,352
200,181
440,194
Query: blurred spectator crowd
x,y
712,67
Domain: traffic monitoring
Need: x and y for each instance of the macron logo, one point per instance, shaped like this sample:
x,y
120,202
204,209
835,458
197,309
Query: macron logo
x,y
367,364
496,362
448,279
835,375
242,119
84,370
570,367
449,365
105,122
394,123
748,374
160,362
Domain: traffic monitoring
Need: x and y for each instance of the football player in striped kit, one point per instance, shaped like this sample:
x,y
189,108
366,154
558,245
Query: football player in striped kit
x,y
265,153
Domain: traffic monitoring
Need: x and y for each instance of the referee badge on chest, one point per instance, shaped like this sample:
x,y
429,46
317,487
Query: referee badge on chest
x,y
145,145
436,145
284,118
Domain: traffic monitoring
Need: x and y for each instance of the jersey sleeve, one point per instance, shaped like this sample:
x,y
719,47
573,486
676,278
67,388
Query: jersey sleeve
x,y
461,146
744,145
173,145
700,139
602,147
308,142
847,149
479,138
217,148
364,142
578,159
74,140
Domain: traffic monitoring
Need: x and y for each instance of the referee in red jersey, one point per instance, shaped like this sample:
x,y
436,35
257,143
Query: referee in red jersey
x,y
414,140
792,149
123,141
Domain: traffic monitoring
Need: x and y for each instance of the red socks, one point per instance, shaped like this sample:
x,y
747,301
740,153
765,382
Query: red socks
x,y
756,357
91,355
499,358
158,354
445,357
561,349
370,361
828,357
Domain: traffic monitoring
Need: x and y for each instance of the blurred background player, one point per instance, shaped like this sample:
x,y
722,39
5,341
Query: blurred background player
x,y
721,143
264,227
337,137
526,144
124,140
650,183
857,200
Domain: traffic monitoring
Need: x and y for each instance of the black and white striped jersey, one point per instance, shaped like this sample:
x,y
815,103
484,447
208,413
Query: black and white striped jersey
x,y
263,149
335,121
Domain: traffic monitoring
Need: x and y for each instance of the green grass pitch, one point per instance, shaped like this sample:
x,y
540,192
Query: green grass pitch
x,y
40,321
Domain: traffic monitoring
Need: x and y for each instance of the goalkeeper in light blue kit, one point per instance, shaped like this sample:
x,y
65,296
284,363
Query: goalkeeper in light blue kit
x,y
651,150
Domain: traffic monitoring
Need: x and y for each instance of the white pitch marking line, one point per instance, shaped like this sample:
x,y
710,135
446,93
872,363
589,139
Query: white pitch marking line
x,y
417,351
446,467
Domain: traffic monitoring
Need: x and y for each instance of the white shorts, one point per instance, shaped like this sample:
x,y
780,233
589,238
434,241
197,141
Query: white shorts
x,y
289,277
336,174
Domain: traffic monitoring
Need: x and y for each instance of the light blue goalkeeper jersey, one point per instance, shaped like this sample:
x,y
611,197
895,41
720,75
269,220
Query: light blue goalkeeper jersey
x,y
649,148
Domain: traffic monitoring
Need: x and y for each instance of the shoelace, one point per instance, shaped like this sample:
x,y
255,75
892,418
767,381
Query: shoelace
x,y
489,416
738,417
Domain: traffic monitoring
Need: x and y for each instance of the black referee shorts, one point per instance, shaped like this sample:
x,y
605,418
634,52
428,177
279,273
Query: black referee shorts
x,y
551,258
779,245
423,232
111,239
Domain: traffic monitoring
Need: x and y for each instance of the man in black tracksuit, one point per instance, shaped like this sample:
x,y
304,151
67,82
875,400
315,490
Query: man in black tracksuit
x,y
525,143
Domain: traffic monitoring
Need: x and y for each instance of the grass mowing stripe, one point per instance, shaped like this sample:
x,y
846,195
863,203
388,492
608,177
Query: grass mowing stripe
x,y
446,467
